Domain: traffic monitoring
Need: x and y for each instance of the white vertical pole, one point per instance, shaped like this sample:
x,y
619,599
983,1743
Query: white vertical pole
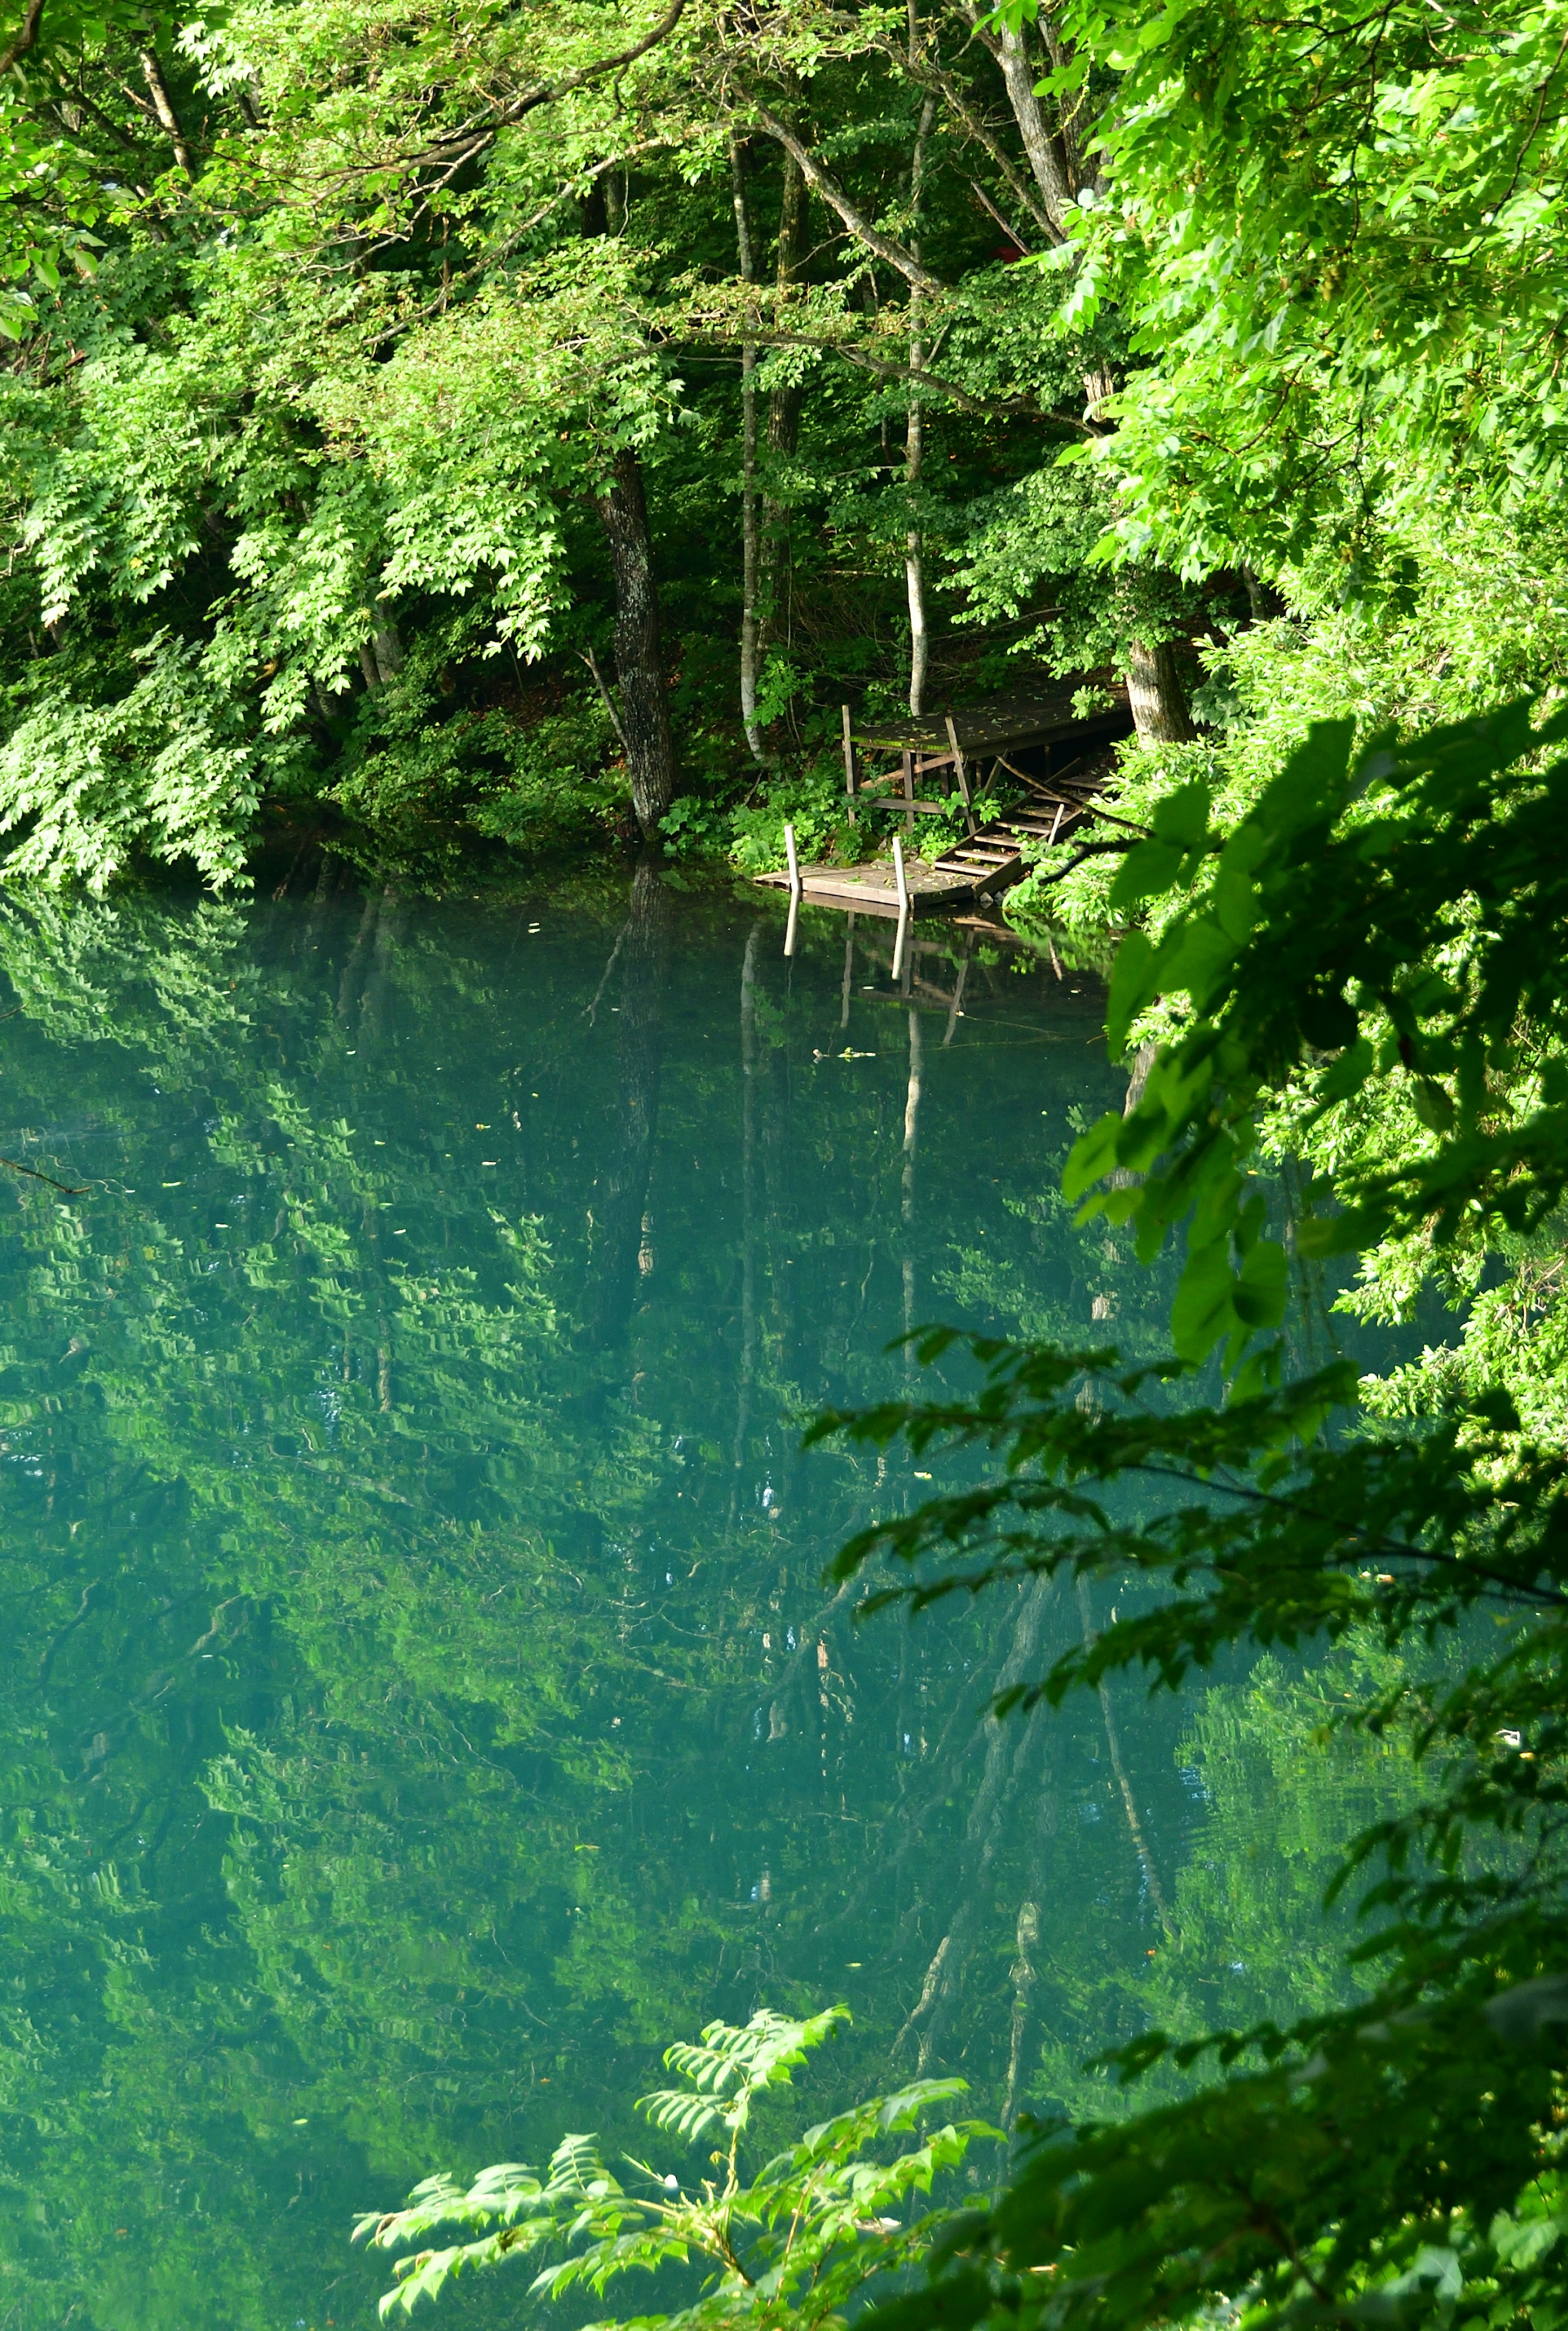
x,y
898,943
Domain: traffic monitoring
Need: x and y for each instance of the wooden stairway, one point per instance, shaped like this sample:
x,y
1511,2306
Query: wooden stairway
x,y
992,857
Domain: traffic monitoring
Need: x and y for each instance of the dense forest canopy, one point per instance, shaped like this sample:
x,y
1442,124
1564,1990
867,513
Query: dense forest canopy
x,y
533,421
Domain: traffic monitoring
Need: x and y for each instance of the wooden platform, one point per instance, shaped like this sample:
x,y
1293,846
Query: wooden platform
x,y
871,890
974,752
1001,723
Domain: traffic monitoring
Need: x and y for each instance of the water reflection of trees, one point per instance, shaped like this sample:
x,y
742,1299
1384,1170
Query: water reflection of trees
x,y
424,1698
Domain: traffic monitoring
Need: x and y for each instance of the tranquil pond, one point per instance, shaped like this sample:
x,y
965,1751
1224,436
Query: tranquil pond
x,y
422,1699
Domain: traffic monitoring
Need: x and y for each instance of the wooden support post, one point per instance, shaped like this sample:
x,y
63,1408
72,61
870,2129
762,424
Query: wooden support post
x,y
909,766
852,779
898,944
960,773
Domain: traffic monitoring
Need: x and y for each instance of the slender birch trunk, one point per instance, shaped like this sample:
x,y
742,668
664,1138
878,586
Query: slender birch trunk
x,y
750,547
163,105
915,435
644,718
783,408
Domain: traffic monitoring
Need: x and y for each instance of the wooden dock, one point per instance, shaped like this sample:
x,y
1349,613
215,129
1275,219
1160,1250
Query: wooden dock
x,y
873,889
969,752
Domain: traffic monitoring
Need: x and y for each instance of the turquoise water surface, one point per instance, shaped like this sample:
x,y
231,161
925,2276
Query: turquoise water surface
x,y
422,1697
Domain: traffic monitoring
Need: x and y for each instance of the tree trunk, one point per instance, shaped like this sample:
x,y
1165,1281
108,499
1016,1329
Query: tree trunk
x,y
1264,602
639,658
386,642
1156,696
163,106
1048,160
915,434
750,636
783,408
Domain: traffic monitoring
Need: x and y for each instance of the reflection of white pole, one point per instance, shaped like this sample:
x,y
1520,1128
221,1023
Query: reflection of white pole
x,y
794,867
902,880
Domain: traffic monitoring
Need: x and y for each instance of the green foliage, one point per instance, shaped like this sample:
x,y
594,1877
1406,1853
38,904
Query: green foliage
x,y
334,335
1318,926
167,769
1375,924
1334,236
803,2239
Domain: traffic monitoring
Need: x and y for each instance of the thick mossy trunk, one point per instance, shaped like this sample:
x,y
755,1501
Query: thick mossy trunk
x,y
1157,699
639,655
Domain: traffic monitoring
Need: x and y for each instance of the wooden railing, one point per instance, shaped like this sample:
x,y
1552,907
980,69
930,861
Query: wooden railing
x,y
874,789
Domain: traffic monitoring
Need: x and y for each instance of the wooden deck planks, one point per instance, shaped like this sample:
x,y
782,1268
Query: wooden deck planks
x,y
872,890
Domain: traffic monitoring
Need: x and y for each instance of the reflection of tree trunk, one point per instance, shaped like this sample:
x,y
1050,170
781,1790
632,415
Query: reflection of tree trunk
x,y
911,1130
377,986
346,984
321,899
1023,1981
747,1207
623,510
956,1007
1122,1177
1129,1803
1143,1059
1006,1749
623,1199
1156,697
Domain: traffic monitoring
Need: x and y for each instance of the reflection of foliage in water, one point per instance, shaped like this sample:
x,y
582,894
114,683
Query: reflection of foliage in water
x,y
1244,1938
423,1699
